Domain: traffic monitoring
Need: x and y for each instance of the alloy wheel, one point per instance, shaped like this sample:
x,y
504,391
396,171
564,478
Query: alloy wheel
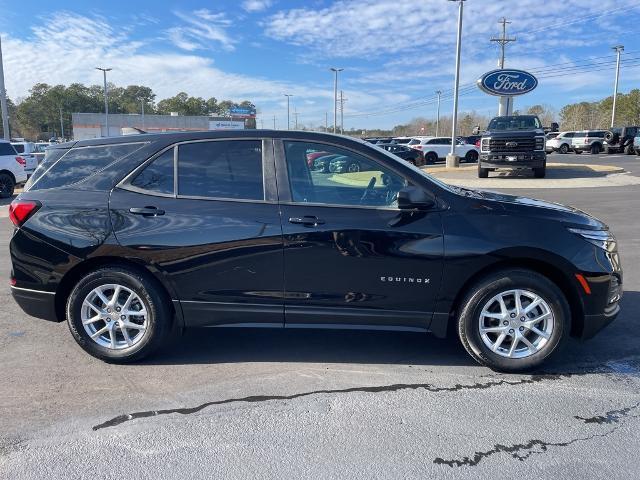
x,y
516,323
114,316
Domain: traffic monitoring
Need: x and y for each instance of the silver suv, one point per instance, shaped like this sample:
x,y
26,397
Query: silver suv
x,y
588,141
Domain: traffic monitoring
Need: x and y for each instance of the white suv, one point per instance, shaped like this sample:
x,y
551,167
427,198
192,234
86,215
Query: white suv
x,y
436,148
561,143
12,170
27,150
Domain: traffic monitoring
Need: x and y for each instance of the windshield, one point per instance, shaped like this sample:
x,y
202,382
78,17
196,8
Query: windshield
x,y
515,122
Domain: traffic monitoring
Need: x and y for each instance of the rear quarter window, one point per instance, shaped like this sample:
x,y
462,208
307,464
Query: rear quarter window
x,y
79,164
7,149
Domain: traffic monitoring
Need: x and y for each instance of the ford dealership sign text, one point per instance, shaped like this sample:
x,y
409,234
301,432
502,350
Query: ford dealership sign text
x,y
507,83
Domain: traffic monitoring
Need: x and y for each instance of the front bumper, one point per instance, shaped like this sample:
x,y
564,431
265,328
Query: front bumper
x,y
36,303
603,304
513,160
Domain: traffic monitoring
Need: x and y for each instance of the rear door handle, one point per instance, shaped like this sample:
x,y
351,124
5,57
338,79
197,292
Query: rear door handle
x,y
307,221
146,211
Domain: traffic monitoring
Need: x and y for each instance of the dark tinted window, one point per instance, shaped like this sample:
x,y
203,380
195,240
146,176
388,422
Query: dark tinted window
x,y
224,169
6,149
51,156
158,175
81,163
349,179
19,148
598,134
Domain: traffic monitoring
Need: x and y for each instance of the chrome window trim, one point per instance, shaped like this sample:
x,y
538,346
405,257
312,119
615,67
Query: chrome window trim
x,y
125,183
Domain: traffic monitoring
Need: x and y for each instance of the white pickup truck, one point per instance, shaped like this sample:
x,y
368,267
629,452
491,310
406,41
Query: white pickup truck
x,y
12,170
27,150
437,148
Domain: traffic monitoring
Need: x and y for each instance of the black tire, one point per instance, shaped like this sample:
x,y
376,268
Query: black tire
x,y
7,185
471,156
154,300
564,148
483,172
484,290
628,150
431,158
611,137
540,172
578,152
596,148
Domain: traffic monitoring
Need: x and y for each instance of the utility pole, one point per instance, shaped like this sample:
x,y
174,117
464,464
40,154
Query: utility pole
x,y
274,122
505,106
439,93
453,161
142,103
619,49
335,97
3,101
61,125
288,97
326,122
342,100
295,117
106,98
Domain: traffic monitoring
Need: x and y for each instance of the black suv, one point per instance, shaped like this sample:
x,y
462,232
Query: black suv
x,y
130,238
515,142
620,140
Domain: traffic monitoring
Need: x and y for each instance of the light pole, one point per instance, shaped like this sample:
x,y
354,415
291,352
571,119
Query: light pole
x,y
619,49
142,105
106,98
288,97
3,101
453,161
61,126
439,93
335,97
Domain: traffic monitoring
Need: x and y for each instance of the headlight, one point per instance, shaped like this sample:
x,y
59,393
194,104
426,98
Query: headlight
x,y
539,143
484,144
600,238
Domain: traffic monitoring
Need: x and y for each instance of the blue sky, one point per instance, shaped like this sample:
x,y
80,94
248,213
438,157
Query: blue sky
x,y
396,53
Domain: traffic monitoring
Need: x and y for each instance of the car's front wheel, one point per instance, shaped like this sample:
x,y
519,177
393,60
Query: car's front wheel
x,y
513,320
118,315
7,185
471,156
564,148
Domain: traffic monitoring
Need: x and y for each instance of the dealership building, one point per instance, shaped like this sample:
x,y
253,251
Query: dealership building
x,y
93,125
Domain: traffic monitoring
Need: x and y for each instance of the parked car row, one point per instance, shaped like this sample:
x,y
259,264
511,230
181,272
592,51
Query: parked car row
x,y
432,149
617,140
13,169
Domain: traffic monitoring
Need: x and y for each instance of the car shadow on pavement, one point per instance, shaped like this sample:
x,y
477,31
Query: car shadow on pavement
x,y
556,172
239,345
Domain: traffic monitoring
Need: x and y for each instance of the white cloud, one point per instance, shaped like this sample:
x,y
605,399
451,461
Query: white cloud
x,y
202,29
68,47
256,5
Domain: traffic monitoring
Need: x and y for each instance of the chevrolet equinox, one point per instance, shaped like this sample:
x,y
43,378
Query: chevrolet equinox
x,y
131,238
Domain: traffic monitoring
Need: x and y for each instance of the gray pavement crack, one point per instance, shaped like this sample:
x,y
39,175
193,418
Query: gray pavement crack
x,y
375,389
522,451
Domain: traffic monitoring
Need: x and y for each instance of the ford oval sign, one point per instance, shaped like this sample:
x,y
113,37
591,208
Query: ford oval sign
x,y
507,83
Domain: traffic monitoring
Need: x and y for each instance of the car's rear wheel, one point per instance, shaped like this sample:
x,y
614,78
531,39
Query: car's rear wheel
x,y
118,315
540,172
7,185
471,156
483,172
628,150
513,320
564,148
596,148
431,158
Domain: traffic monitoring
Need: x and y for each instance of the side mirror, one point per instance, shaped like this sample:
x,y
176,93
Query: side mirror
x,y
411,198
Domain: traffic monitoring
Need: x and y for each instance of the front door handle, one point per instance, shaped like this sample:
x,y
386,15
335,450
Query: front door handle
x,y
307,221
146,211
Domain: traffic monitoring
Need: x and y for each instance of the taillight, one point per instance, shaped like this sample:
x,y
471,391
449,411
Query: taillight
x,y
418,147
21,210
477,143
21,161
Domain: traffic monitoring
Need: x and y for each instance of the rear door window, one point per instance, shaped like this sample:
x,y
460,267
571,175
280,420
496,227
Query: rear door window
x,y
7,149
81,163
157,177
19,148
228,169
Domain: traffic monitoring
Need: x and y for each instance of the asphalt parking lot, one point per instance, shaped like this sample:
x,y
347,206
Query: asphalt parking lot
x,y
320,404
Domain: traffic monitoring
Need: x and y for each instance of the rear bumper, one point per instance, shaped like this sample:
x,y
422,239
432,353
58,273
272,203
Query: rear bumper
x,y
36,303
